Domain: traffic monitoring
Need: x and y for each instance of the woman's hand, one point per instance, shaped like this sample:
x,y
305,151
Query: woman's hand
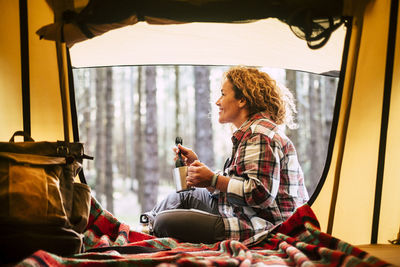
x,y
188,155
199,175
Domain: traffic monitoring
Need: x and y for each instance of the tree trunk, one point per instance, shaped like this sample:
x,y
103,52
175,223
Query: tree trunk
x,y
291,82
316,142
123,167
109,141
83,90
330,89
99,159
303,118
132,134
187,118
151,155
138,137
177,104
89,129
203,133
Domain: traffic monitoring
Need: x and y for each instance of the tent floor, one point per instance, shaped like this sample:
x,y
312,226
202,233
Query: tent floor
x,y
387,252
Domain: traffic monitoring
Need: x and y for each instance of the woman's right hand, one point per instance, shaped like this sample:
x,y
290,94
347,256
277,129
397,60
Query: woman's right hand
x,y
188,155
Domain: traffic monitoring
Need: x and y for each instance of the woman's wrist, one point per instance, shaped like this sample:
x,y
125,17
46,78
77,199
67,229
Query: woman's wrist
x,y
214,180
222,183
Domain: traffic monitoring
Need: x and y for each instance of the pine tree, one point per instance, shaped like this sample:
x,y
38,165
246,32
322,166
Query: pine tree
x,y
151,151
203,133
109,174
99,148
139,140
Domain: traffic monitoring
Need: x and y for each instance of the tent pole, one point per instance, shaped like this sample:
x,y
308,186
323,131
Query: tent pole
x,y
74,115
63,88
336,113
25,79
394,6
356,31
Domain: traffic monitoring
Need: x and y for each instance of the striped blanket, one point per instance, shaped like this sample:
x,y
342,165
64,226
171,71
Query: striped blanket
x,y
296,242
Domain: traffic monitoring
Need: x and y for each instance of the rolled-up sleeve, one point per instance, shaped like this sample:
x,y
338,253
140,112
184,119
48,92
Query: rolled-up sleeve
x,y
257,178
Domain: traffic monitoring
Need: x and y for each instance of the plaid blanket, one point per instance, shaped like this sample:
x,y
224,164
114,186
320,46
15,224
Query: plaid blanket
x,y
296,242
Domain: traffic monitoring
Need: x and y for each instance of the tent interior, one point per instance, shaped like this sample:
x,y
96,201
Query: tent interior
x,y
358,197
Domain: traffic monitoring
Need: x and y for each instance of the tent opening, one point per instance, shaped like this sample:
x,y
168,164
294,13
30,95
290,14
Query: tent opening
x,y
140,86
129,117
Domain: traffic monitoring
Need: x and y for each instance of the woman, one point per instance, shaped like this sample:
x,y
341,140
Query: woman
x,y
262,183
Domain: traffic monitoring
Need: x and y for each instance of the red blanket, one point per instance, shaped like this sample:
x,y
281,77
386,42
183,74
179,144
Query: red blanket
x,y
298,241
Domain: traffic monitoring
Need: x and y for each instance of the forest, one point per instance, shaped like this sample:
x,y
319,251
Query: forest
x,y
129,117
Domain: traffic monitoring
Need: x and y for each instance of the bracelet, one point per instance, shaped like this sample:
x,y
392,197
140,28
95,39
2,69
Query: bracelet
x,y
214,180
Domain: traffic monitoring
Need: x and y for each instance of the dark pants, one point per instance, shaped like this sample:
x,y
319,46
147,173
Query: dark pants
x,y
190,216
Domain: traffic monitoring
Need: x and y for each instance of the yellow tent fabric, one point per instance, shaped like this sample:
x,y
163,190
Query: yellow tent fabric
x,y
45,101
10,71
363,91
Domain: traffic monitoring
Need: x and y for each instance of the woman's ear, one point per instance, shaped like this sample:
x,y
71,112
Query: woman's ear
x,y
242,102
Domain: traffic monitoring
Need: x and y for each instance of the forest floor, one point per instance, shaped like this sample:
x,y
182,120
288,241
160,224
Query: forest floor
x,y
126,205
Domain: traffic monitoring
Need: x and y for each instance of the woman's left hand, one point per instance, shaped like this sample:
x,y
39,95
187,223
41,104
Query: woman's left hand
x,y
199,175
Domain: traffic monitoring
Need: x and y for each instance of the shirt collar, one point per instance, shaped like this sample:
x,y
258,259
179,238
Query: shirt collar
x,y
238,134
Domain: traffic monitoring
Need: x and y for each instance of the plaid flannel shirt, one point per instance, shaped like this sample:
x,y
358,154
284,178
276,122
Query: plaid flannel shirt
x,y
267,182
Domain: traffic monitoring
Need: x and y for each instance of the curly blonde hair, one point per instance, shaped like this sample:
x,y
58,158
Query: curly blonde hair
x,y
262,94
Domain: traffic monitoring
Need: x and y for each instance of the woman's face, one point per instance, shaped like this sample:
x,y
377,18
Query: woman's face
x,y
231,109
